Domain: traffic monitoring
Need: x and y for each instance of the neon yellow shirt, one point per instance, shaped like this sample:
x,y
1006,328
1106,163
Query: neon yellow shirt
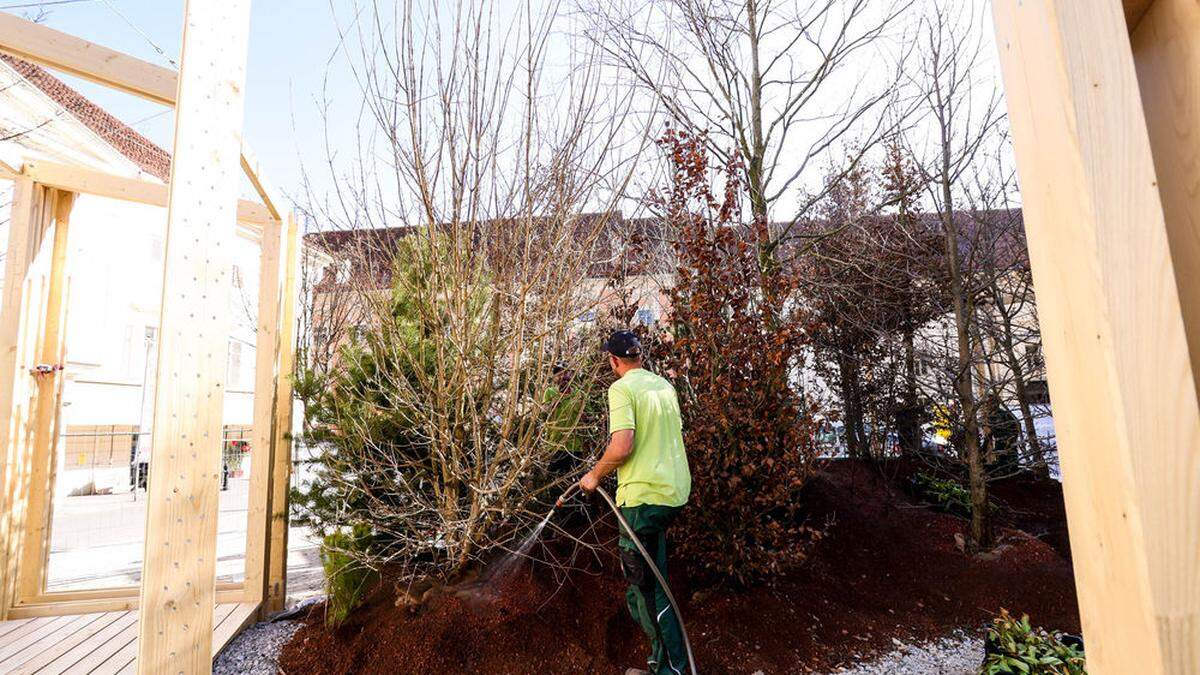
x,y
657,470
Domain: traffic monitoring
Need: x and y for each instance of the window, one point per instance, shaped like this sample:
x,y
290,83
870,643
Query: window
x,y
645,317
588,316
235,364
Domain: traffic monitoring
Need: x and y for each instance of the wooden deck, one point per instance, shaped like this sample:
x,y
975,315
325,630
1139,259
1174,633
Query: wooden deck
x,y
102,643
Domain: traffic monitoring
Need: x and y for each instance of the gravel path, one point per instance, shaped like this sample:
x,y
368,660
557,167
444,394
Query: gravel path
x,y
256,650
958,654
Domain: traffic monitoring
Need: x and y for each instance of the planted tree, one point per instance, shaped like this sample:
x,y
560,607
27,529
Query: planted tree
x,y
732,354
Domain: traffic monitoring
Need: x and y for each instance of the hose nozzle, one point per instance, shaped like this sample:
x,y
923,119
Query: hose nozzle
x,y
562,499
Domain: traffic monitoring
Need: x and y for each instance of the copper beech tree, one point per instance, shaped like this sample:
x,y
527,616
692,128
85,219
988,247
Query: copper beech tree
x,y
732,345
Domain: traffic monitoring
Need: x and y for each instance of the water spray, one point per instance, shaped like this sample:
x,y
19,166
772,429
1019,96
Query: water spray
x,y
649,560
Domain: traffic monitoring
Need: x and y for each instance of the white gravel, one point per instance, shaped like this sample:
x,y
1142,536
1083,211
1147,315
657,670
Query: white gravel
x,y
256,650
958,654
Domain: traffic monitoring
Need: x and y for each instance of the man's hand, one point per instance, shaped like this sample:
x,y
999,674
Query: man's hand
x,y
589,482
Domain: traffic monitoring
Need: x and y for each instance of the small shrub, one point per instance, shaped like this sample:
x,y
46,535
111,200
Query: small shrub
x,y
346,578
1017,647
946,494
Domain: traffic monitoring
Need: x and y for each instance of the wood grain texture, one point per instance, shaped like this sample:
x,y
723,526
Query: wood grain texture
x,y
1120,371
282,447
1135,10
179,569
258,526
1166,51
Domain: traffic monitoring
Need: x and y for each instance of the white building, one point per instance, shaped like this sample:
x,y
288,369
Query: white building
x,y
114,281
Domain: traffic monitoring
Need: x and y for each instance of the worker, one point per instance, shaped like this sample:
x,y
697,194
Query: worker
x,y
646,450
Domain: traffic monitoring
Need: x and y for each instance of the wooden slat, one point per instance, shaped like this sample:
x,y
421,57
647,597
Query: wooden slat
x,y
24,240
21,630
1120,371
45,413
7,627
1135,10
282,469
178,575
34,634
240,616
95,646
121,643
101,184
67,643
63,631
266,360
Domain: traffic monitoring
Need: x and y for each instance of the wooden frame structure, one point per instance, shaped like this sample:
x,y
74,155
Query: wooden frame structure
x,y
178,589
1105,115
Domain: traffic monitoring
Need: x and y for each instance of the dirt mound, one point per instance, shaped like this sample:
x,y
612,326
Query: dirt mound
x,y
886,568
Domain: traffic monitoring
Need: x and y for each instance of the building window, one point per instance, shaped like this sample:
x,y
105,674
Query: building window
x,y
235,364
645,317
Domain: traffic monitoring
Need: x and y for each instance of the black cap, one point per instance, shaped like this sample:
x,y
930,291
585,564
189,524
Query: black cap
x,y
623,344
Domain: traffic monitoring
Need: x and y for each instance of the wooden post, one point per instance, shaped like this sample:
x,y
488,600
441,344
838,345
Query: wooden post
x,y
262,442
1109,252
282,469
24,239
178,573
45,409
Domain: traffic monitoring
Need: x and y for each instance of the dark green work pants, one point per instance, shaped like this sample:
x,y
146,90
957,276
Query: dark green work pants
x,y
647,601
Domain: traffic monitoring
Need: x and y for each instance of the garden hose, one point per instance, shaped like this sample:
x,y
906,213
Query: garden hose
x,y
649,560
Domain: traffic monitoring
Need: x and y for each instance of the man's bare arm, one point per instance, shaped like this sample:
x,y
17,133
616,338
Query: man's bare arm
x,y
620,447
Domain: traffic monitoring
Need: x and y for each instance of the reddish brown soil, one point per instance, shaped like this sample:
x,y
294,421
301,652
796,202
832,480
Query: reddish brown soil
x,y
886,568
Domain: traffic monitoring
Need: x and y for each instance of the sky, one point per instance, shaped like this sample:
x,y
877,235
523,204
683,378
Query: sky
x,y
292,43
294,64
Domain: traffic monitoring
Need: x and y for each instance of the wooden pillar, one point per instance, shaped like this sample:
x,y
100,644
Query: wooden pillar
x,y
1110,251
178,573
266,358
26,231
45,404
282,470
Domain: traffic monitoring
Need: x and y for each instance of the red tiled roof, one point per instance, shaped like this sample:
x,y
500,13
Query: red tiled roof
x,y
139,149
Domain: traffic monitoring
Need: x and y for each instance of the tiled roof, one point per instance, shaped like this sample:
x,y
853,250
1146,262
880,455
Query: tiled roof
x,y
139,149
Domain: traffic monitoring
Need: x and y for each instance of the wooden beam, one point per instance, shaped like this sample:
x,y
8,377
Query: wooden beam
x,y
179,569
62,51
1117,349
281,473
46,406
101,184
24,240
266,359
1134,11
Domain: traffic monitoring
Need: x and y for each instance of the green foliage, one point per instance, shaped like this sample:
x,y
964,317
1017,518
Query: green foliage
x,y
946,494
347,579
1027,649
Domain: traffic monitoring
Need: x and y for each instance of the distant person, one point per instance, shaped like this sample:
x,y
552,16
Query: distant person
x,y
646,450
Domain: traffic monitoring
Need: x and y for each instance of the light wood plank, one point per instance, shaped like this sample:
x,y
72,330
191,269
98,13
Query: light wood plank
x,y
65,630
7,627
46,407
36,633
66,643
96,644
178,577
258,526
282,447
1135,11
101,184
21,630
241,615
1121,375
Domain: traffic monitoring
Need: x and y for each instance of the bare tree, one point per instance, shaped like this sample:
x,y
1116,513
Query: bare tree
x,y
455,411
963,114
779,82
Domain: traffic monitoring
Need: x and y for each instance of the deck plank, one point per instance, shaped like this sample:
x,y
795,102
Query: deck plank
x,y
92,645
104,643
60,649
64,631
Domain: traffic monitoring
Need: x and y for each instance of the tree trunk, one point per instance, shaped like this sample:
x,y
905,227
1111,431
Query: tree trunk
x,y
852,414
1040,467
908,423
981,531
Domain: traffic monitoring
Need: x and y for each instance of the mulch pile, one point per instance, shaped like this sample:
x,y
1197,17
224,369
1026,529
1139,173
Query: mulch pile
x,y
886,568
